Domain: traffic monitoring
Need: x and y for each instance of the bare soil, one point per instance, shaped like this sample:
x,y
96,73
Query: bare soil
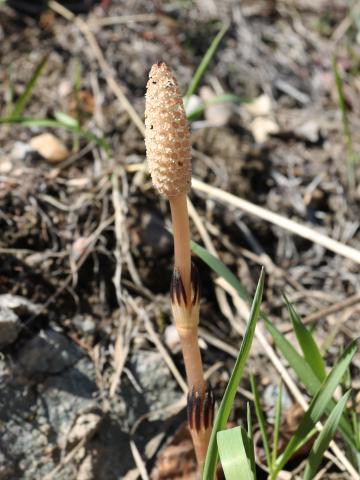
x,y
85,241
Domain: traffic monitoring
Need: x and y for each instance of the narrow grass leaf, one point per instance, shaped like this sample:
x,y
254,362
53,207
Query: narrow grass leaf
x,y
351,157
277,424
324,438
195,81
224,98
296,361
221,269
307,343
233,445
230,392
261,420
305,374
251,438
51,123
318,405
21,102
66,120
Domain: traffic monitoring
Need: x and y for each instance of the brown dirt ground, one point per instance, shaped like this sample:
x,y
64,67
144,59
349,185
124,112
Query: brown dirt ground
x,y
60,247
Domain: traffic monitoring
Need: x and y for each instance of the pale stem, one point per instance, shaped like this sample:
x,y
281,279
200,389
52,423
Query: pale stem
x,y
192,358
181,231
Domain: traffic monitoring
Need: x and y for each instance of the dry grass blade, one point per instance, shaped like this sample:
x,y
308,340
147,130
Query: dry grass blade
x,y
139,461
276,219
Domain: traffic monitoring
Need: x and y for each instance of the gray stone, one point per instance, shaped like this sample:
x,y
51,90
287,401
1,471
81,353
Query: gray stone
x,y
85,324
20,150
48,352
309,131
19,305
36,418
10,326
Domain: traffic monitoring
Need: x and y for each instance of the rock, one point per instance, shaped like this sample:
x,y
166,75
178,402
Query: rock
x,y
270,396
262,127
36,418
260,119
48,353
192,104
309,131
86,324
172,339
19,305
49,147
217,114
10,326
5,165
260,106
20,151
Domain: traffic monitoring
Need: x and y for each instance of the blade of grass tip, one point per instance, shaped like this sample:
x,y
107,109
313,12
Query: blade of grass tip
x,y
21,102
230,392
233,446
323,440
251,438
277,424
307,343
296,361
305,374
196,79
261,420
224,98
317,406
66,120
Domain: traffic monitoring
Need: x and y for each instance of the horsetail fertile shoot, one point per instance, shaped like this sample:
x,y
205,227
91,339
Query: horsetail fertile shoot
x,y
168,152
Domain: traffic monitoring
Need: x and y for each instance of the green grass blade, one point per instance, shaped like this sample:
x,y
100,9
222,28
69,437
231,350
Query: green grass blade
x,y
224,98
305,374
251,437
277,424
233,445
307,343
261,420
195,81
66,120
21,102
318,405
221,269
351,157
296,361
51,123
324,438
230,392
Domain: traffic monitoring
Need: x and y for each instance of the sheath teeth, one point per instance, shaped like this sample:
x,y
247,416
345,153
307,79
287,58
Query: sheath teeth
x,y
200,409
167,136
